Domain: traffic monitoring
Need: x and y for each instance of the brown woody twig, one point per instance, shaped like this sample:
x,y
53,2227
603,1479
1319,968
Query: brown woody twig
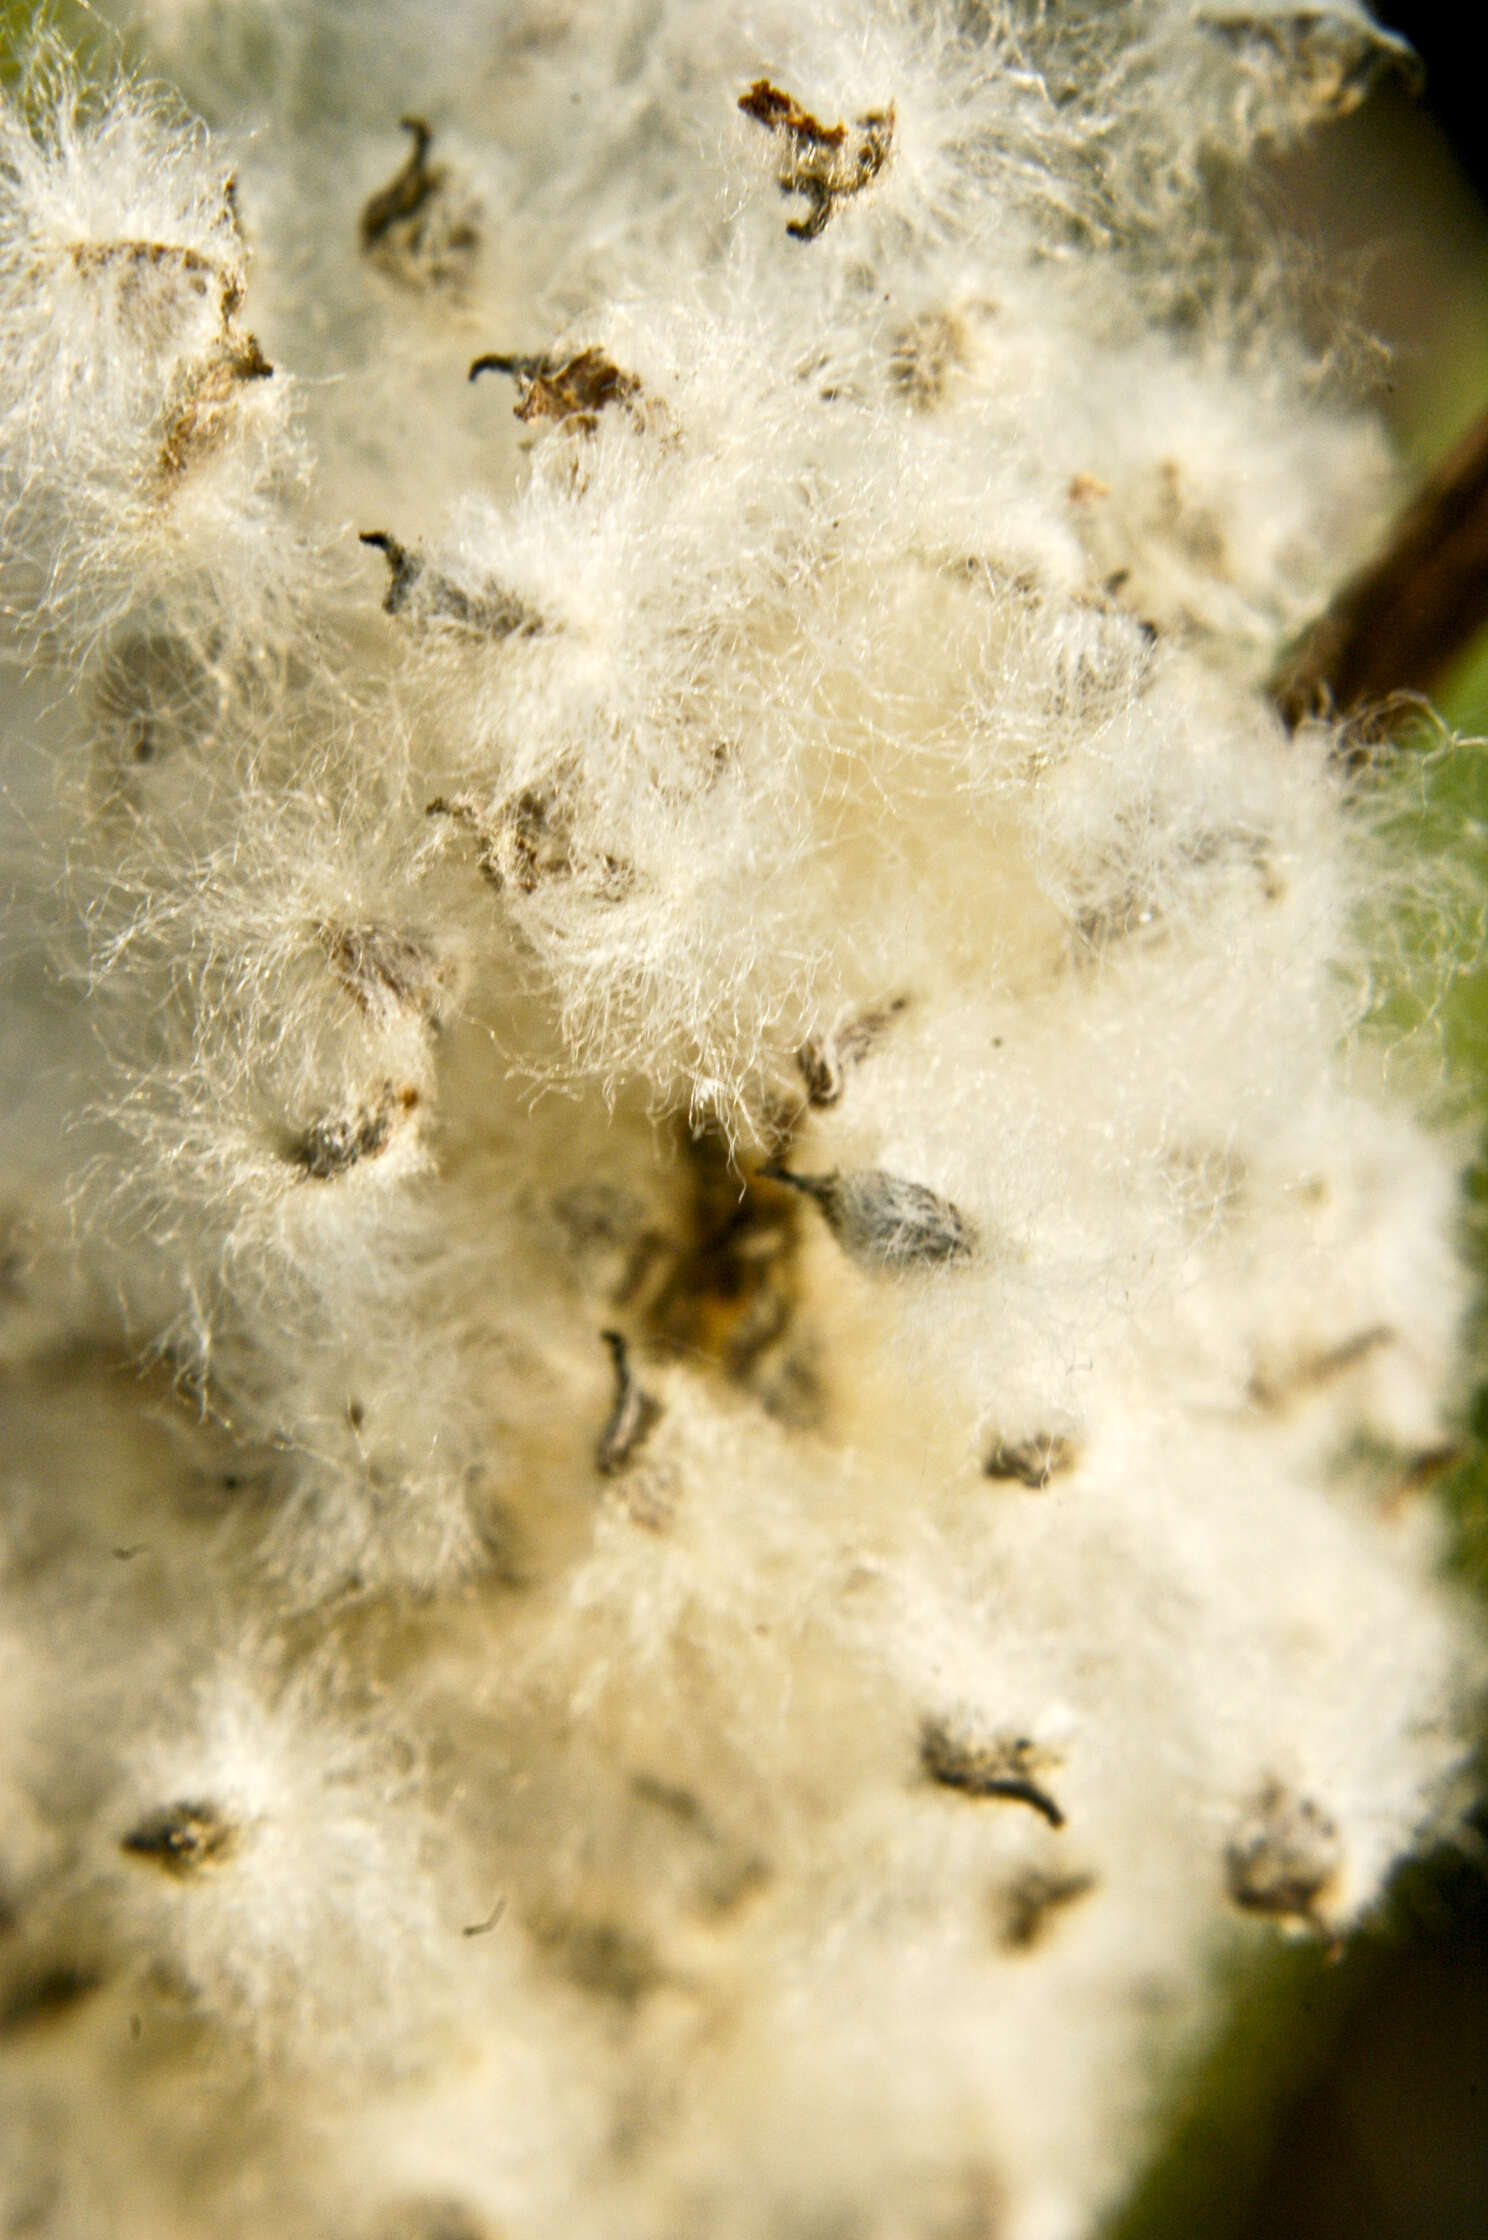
x,y
1398,625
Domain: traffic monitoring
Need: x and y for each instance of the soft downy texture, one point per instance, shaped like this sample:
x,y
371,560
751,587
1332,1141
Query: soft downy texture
x,y
720,1346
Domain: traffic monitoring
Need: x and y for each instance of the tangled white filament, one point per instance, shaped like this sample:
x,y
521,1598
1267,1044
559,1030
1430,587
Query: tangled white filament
x,y
716,1340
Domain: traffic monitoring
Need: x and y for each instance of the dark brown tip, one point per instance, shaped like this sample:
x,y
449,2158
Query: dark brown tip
x,y
500,361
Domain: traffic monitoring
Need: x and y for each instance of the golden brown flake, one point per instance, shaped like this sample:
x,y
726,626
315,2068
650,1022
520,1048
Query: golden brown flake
x,y
825,163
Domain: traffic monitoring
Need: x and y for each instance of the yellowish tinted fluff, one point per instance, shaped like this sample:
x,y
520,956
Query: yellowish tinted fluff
x,y
722,1343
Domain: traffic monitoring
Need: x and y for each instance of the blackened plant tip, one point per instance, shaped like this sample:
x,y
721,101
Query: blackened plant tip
x,y
823,1059
1396,626
407,193
247,361
1028,1907
423,230
389,973
569,390
337,1142
1031,1462
824,163
999,1770
404,567
500,361
487,1922
182,1838
1286,1859
633,1415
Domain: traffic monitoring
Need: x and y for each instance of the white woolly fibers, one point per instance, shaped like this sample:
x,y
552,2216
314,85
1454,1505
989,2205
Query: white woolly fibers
x,y
721,1341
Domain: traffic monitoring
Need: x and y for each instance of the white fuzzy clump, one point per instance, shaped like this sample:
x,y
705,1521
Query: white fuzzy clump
x,y
724,1345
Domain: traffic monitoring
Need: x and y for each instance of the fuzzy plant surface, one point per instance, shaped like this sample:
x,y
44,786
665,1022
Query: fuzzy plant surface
x,y
720,1349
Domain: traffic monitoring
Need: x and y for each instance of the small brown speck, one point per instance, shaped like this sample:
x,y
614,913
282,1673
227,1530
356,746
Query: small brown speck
x,y
925,356
202,415
679,1804
573,390
332,1146
602,1957
487,1922
1193,528
182,1838
1031,1462
1286,1857
385,972
1419,1472
1026,1909
823,1059
527,840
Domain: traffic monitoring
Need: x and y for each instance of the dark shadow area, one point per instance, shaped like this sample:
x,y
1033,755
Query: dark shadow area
x,y
1448,41
1390,2141
1350,2099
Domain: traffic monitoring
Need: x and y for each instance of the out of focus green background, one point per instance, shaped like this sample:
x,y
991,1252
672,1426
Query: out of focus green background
x,y
1349,2099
